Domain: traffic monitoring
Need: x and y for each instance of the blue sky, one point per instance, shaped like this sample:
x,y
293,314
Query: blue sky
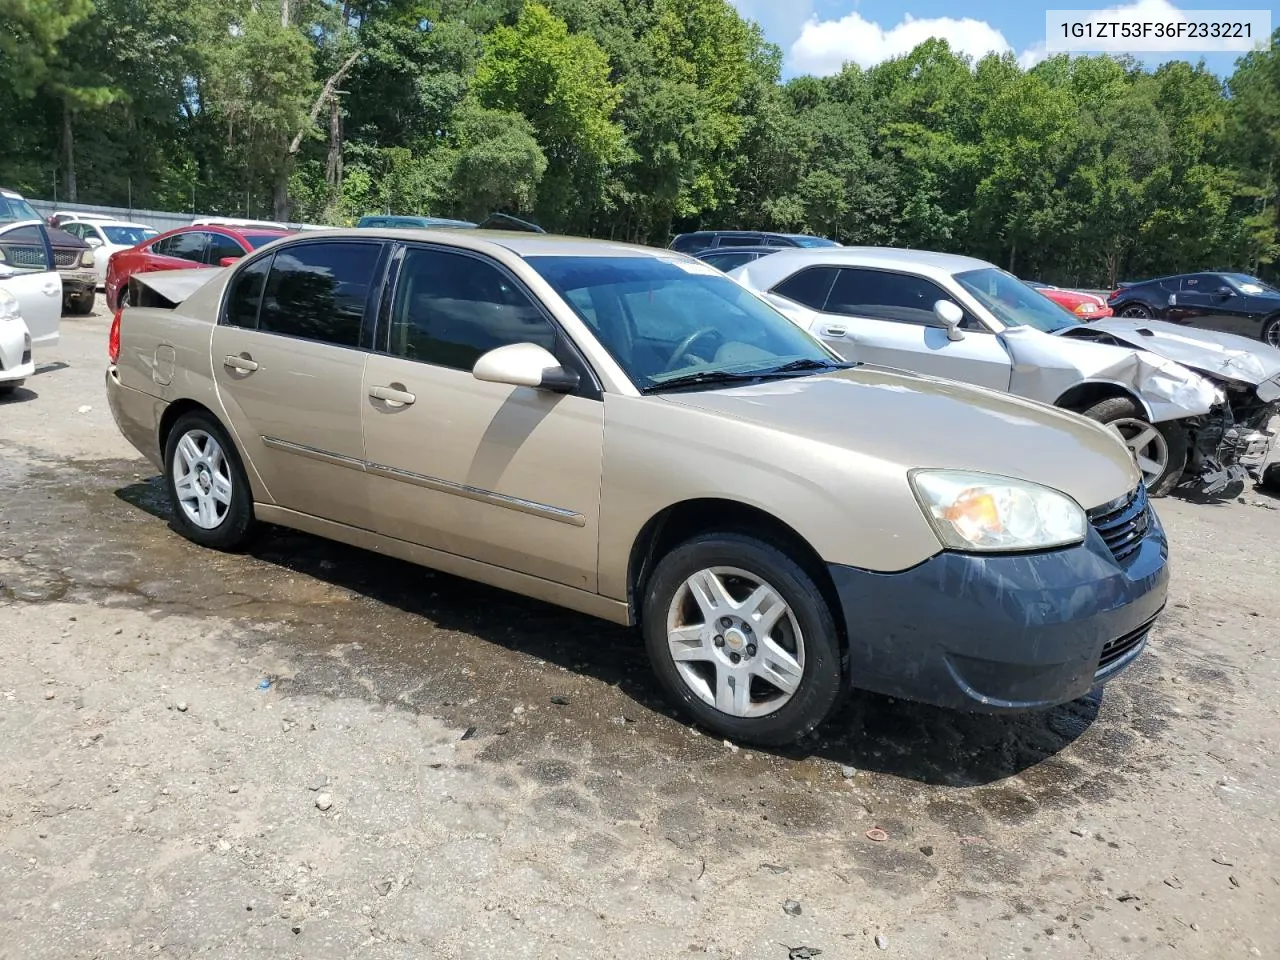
x,y
816,36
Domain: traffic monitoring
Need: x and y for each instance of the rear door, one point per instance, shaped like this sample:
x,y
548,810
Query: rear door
x,y
37,286
221,247
509,476
886,317
288,358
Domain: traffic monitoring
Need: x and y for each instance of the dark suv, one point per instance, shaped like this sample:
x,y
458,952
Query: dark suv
x,y
707,239
21,244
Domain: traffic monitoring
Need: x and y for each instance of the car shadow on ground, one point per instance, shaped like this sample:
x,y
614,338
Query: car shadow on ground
x,y
18,395
53,366
869,732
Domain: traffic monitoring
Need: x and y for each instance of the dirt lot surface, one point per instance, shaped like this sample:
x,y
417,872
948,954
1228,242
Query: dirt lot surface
x,y
310,751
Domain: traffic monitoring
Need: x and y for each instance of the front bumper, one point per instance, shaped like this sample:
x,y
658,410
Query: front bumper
x,y
1003,632
78,283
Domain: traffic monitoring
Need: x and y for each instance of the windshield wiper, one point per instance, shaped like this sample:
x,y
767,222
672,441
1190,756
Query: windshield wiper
x,y
805,363
702,377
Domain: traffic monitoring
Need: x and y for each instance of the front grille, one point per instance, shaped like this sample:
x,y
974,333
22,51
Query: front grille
x,y
1113,651
66,258
1123,523
20,256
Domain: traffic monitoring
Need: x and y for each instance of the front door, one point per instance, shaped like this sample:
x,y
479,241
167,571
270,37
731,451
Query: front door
x,y
509,476
288,360
887,318
1207,301
34,281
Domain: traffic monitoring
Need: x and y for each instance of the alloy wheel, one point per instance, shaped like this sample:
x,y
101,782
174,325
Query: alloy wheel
x,y
1136,311
202,479
735,642
1147,444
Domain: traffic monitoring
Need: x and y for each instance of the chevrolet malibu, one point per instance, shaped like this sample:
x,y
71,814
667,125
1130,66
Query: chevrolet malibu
x,y
630,434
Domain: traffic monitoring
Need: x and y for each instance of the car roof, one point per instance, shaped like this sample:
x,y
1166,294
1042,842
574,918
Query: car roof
x,y
766,272
108,222
519,242
729,251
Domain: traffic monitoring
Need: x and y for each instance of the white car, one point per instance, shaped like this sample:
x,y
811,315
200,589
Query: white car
x,y
106,237
30,312
16,363
1195,412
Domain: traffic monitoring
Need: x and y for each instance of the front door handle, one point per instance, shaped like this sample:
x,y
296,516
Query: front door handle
x,y
243,364
392,396
835,330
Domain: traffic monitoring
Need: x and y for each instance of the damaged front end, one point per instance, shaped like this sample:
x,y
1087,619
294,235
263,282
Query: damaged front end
x,y
1232,443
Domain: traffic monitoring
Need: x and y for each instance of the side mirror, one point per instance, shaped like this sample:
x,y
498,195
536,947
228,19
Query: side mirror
x,y
227,261
525,365
951,316
1225,291
93,242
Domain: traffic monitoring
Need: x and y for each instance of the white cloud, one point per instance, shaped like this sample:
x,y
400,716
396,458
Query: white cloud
x,y
824,46
1029,57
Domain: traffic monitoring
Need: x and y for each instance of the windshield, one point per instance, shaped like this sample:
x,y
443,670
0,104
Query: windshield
x,y
13,209
1249,285
1013,302
256,240
662,319
129,235
814,242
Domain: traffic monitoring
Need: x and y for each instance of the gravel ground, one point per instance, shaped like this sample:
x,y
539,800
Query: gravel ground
x,y
310,751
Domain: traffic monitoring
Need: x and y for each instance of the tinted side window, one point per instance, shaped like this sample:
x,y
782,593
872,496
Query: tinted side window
x,y
728,261
161,247
187,246
318,291
691,243
221,246
885,296
809,287
245,295
450,308
739,240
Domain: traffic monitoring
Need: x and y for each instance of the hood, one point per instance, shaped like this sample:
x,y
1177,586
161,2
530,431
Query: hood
x,y
1217,354
911,421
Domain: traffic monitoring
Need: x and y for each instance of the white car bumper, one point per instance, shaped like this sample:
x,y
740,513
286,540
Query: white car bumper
x,y
15,352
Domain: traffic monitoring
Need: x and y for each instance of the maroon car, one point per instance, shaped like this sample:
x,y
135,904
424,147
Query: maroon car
x,y
183,249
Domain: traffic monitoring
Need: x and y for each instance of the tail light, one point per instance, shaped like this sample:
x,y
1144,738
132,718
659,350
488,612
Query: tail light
x,y
1114,293
113,338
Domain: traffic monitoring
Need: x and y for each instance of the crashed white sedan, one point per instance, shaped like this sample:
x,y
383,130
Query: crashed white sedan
x,y
1193,406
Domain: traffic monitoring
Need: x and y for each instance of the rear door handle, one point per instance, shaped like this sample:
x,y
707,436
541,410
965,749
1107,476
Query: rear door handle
x,y
392,396
835,330
243,364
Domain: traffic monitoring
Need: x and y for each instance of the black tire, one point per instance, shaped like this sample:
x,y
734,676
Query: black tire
x,y
7,389
82,307
1270,479
1270,333
822,681
236,527
1135,311
1175,438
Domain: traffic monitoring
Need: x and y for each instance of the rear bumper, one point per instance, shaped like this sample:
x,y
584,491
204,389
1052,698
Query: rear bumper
x,y
137,414
1003,633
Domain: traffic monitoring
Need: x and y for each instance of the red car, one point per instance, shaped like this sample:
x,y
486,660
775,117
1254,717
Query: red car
x,y
183,249
1086,306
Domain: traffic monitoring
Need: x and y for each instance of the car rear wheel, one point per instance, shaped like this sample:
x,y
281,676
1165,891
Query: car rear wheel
x,y
1271,332
1136,311
11,387
82,307
742,639
208,489
1159,448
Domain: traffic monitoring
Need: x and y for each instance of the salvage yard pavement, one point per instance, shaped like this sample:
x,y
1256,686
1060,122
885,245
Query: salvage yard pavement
x,y
312,751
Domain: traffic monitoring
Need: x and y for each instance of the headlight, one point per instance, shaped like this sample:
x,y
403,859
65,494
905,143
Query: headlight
x,y
86,259
8,306
981,511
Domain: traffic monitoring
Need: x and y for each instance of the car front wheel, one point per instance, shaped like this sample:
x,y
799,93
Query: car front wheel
x,y
1159,448
208,489
1271,332
742,639
1136,311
